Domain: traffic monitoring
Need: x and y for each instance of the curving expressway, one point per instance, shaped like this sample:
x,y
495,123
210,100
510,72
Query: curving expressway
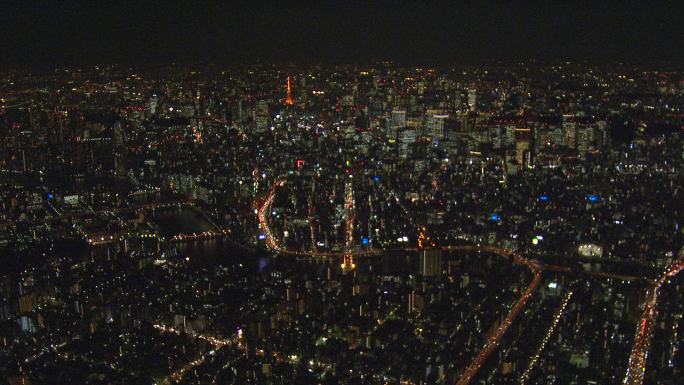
x,y
637,361
492,343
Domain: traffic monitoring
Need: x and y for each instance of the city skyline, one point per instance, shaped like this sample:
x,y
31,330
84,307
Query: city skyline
x,y
390,193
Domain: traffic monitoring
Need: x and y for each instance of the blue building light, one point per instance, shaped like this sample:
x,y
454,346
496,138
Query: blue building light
x,y
365,241
377,178
543,198
262,237
593,198
494,217
50,196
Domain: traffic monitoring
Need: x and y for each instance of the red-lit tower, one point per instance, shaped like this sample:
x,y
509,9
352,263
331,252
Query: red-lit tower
x,y
289,100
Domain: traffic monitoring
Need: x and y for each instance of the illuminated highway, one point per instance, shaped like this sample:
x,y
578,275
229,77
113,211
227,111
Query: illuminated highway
x,y
493,343
263,214
349,220
642,341
554,324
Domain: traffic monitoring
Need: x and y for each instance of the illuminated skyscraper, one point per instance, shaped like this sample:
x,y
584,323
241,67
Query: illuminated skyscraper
x,y
435,125
524,146
397,122
430,262
472,98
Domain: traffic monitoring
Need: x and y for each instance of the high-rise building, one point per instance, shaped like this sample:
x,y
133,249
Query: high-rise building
x,y
416,303
406,140
397,121
430,262
523,146
472,98
435,125
585,139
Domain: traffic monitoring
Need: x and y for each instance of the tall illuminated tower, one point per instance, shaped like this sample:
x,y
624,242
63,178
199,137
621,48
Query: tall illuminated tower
x,y
289,100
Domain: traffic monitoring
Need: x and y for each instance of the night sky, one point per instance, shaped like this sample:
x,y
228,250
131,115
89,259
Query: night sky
x,y
44,34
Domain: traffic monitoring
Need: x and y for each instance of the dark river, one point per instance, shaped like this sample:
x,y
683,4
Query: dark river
x,y
182,220
207,251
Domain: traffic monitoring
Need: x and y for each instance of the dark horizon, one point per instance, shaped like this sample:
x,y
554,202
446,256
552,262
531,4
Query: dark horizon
x,y
46,35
